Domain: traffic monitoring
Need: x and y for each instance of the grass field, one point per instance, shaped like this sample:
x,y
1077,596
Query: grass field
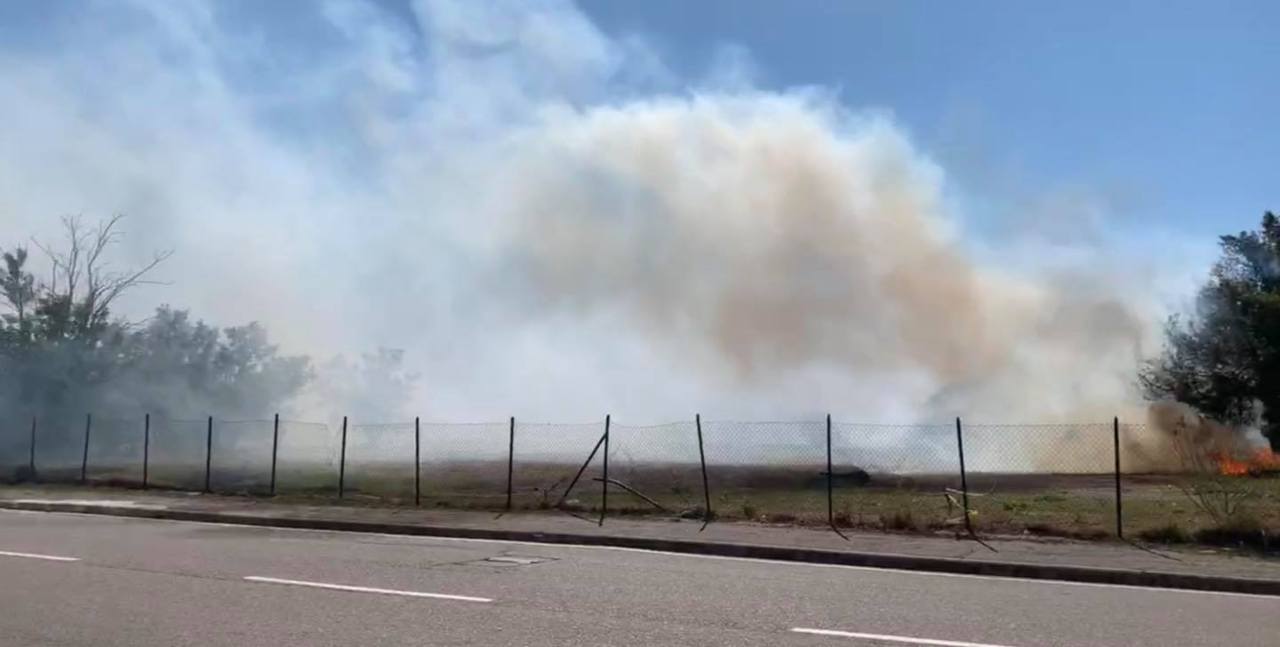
x,y
1155,507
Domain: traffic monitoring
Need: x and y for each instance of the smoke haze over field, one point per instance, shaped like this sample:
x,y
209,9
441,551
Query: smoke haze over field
x,y
550,221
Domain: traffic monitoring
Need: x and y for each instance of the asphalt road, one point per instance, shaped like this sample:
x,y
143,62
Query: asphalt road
x,y
140,582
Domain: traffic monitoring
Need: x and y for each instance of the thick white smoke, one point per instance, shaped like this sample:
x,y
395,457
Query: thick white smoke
x,y
550,221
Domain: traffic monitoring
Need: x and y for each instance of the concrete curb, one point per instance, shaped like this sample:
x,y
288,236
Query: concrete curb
x,y
1087,574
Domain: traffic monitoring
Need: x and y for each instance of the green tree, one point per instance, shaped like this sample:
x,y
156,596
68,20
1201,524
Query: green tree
x,y
17,286
1225,359
182,366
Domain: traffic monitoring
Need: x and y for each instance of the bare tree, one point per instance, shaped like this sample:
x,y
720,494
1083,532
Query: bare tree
x,y
82,285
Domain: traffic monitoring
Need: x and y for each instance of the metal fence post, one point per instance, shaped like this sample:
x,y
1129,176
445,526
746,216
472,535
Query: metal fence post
x,y
33,449
706,491
831,510
964,483
604,482
511,458
417,461
208,455
275,450
1115,428
84,460
342,461
146,448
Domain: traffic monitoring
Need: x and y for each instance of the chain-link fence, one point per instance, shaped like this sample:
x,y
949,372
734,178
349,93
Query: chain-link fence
x,y
464,465
895,477
766,471
58,448
178,453
307,459
1046,479
1086,480
380,461
16,447
545,459
654,469
115,451
240,462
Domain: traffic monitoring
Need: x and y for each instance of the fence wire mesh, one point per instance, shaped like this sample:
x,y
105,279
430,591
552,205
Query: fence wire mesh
x,y
15,445
307,461
241,460
115,451
380,460
654,469
1052,479
545,458
464,465
767,471
894,477
178,453
1048,479
58,447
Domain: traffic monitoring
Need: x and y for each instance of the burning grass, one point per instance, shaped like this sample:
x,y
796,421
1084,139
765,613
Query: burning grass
x,y
1259,462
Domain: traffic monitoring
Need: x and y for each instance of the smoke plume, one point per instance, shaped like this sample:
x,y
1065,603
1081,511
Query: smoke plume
x,y
551,222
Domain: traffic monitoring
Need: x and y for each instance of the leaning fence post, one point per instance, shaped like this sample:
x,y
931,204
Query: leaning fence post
x,y
342,460
417,461
511,457
84,460
1115,428
565,495
146,448
706,491
208,454
275,450
604,482
964,483
32,458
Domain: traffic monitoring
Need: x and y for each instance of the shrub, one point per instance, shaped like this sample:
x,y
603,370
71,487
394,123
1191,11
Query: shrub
x,y
1241,530
899,520
1170,533
843,519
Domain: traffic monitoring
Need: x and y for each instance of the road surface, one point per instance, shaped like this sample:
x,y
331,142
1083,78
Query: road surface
x,y
84,580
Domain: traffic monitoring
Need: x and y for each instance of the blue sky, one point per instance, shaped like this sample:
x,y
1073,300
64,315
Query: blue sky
x,y
1156,112
1166,110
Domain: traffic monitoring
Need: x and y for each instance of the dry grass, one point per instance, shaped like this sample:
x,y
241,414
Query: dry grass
x,y
1156,507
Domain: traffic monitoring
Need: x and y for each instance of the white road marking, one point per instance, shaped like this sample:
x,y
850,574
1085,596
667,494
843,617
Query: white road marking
x,y
365,589
116,503
760,560
891,638
51,558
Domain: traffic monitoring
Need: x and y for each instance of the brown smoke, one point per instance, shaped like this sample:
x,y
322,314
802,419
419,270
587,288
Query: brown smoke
x,y
764,234
1177,438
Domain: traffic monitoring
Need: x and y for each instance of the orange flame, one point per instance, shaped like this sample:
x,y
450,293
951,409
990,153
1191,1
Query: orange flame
x,y
1228,466
1260,461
